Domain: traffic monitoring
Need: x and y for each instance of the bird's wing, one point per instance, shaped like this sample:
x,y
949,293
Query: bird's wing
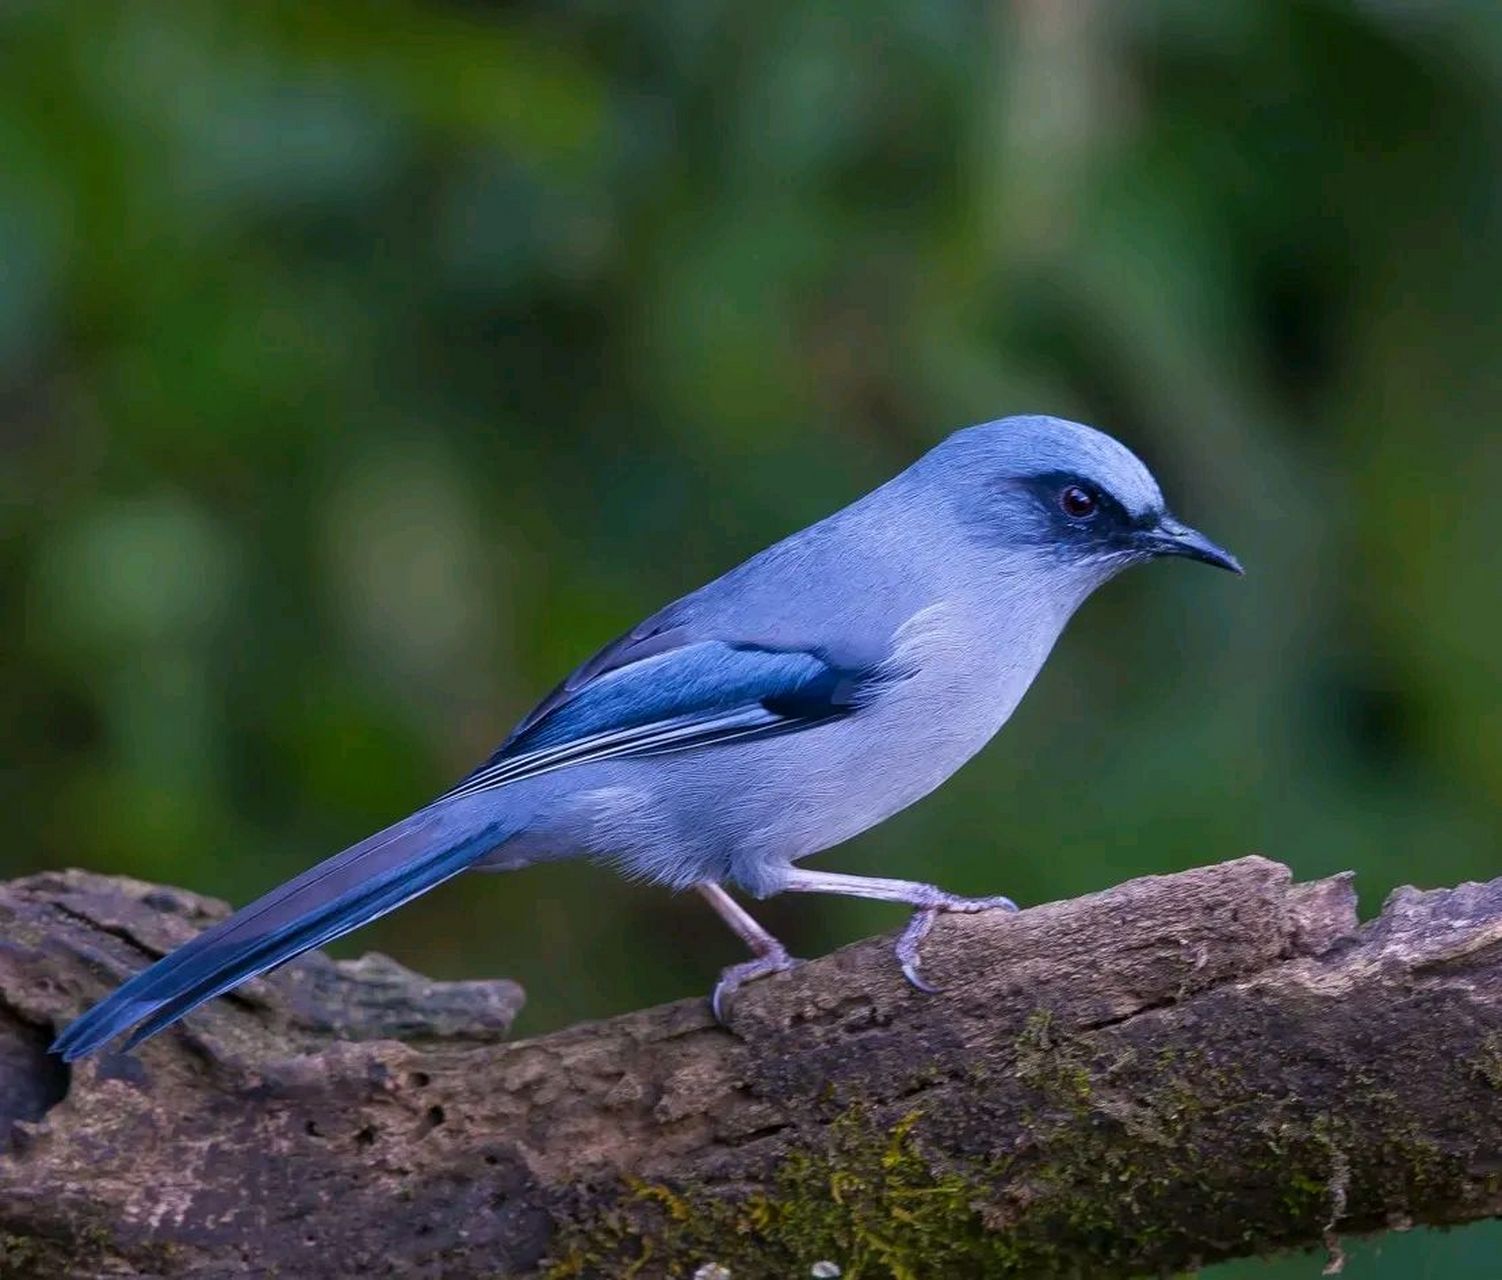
x,y
659,689
665,630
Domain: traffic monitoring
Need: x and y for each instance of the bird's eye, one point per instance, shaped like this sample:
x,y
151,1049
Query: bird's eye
x,y
1076,502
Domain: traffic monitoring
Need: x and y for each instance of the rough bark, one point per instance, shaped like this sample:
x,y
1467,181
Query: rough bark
x,y
1180,1069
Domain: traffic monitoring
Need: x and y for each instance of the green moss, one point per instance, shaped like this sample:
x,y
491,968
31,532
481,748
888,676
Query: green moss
x,y
1051,1064
1486,1063
1111,1150
26,1255
871,1203
84,1249
875,1203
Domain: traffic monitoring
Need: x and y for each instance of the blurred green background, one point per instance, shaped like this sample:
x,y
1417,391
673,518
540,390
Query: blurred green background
x,y
364,367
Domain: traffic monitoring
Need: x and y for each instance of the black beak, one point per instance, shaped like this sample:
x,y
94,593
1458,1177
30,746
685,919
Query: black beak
x,y
1171,538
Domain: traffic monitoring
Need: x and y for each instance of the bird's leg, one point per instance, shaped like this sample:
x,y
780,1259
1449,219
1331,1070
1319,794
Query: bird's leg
x,y
927,898
770,955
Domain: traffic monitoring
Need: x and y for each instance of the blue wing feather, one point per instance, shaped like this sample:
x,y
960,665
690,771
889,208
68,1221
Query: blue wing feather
x,y
695,695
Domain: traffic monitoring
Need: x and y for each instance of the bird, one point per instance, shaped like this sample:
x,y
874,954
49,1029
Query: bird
x,y
803,697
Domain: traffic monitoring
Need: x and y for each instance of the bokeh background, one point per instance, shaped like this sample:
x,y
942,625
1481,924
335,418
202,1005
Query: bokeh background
x,y
365,366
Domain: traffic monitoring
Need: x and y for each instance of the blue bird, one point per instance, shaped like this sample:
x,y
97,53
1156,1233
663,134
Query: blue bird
x,y
805,696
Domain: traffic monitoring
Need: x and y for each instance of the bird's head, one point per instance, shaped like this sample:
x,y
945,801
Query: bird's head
x,y
1064,494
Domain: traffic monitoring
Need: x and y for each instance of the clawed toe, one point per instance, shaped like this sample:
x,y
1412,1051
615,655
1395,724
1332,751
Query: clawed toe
x,y
917,980
923,920
907,948
736,975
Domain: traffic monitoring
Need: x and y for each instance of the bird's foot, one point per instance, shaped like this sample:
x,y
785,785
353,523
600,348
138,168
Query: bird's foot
x,y
773,960
923,920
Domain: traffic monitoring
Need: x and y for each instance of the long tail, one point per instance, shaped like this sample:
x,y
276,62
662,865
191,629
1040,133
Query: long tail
x,y
350,889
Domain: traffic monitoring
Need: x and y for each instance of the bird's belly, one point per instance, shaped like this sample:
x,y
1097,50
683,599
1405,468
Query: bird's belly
x,y
746,810
862,770
757,807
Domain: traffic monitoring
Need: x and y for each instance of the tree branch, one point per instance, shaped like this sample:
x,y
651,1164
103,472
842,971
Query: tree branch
x,y
1181,1069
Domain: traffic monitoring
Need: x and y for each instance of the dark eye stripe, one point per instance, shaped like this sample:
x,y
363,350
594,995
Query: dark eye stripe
x,y
1049,488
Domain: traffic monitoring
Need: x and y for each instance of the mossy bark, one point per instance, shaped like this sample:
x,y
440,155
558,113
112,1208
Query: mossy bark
x,y
1181,1069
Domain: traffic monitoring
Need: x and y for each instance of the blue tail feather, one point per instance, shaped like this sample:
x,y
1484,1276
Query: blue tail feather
x,y
352,888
